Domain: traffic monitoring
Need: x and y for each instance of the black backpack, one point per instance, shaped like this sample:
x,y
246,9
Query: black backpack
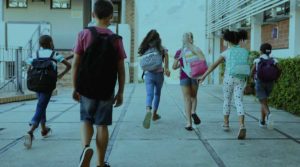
x,y
98,68
42,75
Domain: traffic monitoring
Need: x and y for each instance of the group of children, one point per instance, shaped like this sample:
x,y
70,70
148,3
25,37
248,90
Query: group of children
x,y
96,108
233,84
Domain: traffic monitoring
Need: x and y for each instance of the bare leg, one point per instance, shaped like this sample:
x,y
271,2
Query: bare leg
x,y
194,98
102,138
87,132
241,120
264,108
186,90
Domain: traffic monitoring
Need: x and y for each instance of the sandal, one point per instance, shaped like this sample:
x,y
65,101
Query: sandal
x,y
156,117
196,119
242,133
189,128
225,127
46,133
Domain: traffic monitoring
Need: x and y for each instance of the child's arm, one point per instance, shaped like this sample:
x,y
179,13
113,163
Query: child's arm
x,y
67,69
176,63
166,67
211,68
118,100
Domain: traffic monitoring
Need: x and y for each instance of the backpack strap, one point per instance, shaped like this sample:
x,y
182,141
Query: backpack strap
x,y
52,55
93,30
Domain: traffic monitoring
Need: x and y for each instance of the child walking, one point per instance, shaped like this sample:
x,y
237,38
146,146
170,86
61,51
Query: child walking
x,y
189,86
263,89
233,85
98,65
46,51
154,79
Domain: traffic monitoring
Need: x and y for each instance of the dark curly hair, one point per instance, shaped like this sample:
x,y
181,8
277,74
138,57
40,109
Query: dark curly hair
x,y
152,40
235,37
266,48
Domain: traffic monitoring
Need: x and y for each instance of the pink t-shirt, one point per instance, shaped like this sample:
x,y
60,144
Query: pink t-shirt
x,y
85,38
182,74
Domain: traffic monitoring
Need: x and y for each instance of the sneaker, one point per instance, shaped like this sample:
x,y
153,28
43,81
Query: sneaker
x,y
262,124
156,117
86,157
147,120
46,133
270,122
242,133
28,140
225,127
196,119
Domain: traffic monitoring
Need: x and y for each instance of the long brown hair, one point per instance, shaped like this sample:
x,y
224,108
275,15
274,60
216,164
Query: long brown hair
x,y
152,40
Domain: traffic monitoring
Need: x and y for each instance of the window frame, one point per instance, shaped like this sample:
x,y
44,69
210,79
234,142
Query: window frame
x,y
119,12
51,5
18,7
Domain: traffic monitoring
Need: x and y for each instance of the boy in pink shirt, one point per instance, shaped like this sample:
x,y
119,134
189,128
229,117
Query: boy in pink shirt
x,y
98,64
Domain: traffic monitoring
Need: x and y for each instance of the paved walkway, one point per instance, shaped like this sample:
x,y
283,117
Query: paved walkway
x,y
165,144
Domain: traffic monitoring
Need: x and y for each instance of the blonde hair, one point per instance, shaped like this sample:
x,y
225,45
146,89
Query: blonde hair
x,y
188,42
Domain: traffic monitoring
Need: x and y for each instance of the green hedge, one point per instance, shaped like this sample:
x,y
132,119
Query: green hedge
x,y
286,91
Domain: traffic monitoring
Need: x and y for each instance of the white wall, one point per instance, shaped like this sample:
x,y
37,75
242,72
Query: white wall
x,y
1,25
171,18
65,23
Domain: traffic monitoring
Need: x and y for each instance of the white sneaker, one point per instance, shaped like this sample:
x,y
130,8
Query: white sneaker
x,y
225,127
86,157
262,124
147,120
28,140
270,122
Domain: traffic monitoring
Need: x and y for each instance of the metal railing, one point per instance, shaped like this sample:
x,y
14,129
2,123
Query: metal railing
x,y
13,70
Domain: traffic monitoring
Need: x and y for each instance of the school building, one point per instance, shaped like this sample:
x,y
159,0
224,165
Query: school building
x,y
23,21
274,21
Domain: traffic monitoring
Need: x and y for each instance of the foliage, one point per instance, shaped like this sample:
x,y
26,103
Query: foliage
x,y
286,91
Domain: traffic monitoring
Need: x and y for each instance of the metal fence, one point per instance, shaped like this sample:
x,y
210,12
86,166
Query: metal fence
x,y
13,70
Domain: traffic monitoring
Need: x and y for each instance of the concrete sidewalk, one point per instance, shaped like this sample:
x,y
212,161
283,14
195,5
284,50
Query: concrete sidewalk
x,y
165,144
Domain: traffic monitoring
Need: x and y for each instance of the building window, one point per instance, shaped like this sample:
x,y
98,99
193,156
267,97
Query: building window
x,y
279,11
117,12
60,4
9,70
16,3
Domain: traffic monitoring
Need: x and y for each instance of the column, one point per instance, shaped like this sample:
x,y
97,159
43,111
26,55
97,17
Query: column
x,y
123,12
294,33
216,51
256,22
2,37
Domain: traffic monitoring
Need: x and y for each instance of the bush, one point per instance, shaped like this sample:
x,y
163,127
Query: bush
x,y
286,91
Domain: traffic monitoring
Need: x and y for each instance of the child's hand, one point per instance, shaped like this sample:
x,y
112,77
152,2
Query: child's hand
x,y
167,72
76,96
201,79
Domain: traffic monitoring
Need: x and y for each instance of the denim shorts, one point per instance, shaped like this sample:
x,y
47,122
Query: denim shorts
x,y
97,112
262,89
188,82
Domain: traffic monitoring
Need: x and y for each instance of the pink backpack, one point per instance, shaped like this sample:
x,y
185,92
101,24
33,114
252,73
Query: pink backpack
x,y
193,66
